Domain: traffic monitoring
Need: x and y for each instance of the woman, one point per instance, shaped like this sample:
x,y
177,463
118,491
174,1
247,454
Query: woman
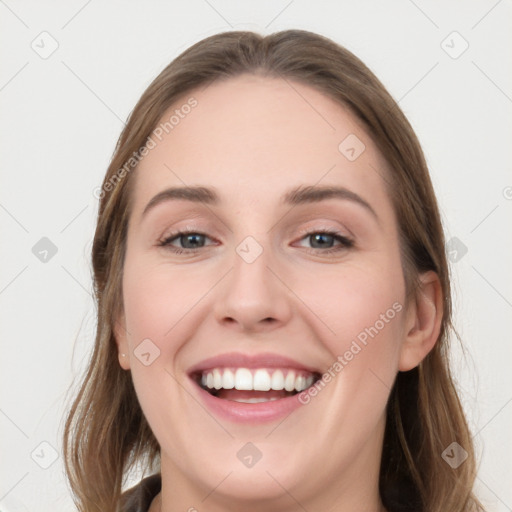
x,y
273,297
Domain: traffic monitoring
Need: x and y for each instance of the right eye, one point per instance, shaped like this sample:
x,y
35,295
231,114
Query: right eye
x,y
186,237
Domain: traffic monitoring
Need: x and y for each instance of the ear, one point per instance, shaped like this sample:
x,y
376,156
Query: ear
x,y
123,347
423,322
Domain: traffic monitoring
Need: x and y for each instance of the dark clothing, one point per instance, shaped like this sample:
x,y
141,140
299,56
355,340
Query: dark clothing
x,y
139,497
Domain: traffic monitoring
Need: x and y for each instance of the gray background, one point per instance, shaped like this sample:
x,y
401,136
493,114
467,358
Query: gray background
x,y
63,111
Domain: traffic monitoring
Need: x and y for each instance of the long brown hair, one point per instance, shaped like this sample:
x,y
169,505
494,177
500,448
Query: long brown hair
x,y
106,433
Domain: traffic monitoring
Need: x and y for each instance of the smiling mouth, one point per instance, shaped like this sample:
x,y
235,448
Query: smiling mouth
x,y
254,385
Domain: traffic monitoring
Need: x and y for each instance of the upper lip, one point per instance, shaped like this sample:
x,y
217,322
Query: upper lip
x,y
240,360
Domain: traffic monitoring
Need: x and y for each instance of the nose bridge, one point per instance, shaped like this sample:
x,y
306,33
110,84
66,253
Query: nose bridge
x,y
252,293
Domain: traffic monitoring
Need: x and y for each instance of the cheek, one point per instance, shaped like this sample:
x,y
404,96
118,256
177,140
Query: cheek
x,y
358,304
157,297
162,304
365,309
153,308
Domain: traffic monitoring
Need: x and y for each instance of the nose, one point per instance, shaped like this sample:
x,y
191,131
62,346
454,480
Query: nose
x,y
253,296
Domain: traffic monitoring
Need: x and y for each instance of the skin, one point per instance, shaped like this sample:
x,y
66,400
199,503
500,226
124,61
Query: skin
x,y
252,139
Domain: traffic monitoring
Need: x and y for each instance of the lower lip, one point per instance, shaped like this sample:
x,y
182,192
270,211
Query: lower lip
x,y
242,412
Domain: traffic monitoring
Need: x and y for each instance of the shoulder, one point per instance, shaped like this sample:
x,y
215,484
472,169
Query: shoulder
x,y
139,497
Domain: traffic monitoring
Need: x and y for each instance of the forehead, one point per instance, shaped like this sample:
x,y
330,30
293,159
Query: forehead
x,y
252,137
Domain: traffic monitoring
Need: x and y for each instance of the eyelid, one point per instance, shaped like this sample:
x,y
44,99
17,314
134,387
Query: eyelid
x,y
182,232
322,228
302,231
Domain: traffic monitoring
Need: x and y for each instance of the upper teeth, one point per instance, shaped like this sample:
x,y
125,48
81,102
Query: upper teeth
x,y
256,380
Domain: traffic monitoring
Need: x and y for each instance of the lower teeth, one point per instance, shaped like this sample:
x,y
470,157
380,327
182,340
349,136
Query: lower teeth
x,y
254,400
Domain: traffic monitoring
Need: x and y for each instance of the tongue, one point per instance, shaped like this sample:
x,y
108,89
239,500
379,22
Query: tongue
x,y
233,394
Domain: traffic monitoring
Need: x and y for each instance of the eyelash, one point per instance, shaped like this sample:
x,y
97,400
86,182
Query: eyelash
x,y
346,243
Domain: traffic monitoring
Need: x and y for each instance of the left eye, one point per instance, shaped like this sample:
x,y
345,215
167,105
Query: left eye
x,y
322,239
191,239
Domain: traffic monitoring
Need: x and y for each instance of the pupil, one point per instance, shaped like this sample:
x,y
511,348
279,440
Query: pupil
x,y
190,236
319,236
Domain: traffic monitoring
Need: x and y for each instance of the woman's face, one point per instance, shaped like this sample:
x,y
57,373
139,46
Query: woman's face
x,y
260,298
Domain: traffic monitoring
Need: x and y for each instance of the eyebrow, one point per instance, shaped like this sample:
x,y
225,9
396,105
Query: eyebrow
x,y
296,196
